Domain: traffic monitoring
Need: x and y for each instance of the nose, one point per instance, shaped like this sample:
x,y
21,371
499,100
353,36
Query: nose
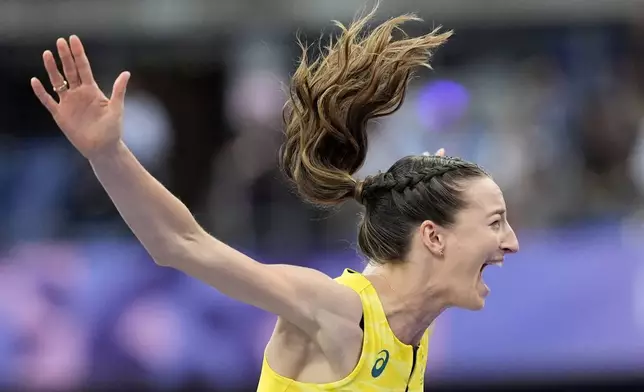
x,y
510,243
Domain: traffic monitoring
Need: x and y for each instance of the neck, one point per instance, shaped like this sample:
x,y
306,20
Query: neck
x,y
412,301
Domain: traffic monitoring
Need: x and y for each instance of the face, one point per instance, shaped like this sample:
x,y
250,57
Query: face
x,y
480,237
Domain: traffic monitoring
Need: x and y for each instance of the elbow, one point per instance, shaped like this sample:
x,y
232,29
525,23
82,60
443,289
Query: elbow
x,y
164,258
161,262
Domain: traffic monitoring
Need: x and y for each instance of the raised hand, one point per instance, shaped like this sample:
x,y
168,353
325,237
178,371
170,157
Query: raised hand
x,y
91,121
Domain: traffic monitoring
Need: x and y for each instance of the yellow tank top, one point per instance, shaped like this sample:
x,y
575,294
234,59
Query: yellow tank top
x,y
385,364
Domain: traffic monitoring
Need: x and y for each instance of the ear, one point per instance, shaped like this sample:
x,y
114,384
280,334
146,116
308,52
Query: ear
x,y
432,237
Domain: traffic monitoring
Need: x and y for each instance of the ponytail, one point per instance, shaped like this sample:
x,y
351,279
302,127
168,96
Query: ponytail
x,y
331,100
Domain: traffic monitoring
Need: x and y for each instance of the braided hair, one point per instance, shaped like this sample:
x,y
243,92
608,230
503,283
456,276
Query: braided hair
x,y
387,182
414,189
359,77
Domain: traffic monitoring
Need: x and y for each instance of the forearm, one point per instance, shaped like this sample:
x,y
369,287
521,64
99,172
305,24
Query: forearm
x,y
162,223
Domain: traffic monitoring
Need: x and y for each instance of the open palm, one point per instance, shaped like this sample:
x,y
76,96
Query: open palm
x,y
91,121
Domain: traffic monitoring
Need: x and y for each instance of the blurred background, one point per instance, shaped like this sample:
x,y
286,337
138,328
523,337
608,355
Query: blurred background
x,y
548,95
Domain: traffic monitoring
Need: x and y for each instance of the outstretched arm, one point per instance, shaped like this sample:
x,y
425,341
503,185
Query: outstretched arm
x,y
166,228
173,238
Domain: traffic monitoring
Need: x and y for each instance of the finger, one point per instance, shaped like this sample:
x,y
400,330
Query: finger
x,y
118,91
43,96
55,77
69,67
440,152
82,63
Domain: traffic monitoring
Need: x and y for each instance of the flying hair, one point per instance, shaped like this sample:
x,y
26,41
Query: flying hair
x,y
358,77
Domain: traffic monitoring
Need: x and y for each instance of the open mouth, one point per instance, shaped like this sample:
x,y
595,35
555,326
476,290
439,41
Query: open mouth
x,y
498,263
484,287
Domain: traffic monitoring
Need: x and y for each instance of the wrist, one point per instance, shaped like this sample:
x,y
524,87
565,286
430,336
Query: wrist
x,y
108,153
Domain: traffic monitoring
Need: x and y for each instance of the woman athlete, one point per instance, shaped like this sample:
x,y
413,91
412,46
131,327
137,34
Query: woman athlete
x,y
430,225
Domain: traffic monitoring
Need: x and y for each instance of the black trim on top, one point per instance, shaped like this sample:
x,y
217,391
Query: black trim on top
x,y
413,366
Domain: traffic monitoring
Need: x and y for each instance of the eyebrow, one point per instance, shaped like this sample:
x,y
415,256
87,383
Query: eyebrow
x,y
498,211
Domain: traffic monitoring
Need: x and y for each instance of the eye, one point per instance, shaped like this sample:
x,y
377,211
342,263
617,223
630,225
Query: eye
x,y
496,224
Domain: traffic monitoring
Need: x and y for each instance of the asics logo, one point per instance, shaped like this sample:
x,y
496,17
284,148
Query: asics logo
x,y
381,363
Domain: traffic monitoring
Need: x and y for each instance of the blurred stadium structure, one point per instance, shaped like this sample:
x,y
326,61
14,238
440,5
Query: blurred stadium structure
x,y
548,95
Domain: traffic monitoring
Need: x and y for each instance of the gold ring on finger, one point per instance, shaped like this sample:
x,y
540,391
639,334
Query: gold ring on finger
x,y
63,87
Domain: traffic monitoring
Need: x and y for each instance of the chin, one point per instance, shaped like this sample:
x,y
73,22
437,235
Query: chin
x,y
475,302
480,304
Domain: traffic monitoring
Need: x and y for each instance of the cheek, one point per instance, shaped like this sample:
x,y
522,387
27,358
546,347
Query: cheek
x,y
472,243
473,247
465,254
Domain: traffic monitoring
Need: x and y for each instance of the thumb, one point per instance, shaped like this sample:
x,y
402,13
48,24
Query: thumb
x,y
118,91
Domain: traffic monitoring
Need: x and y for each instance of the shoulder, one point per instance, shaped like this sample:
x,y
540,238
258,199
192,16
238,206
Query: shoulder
x,y
337,340
330,301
